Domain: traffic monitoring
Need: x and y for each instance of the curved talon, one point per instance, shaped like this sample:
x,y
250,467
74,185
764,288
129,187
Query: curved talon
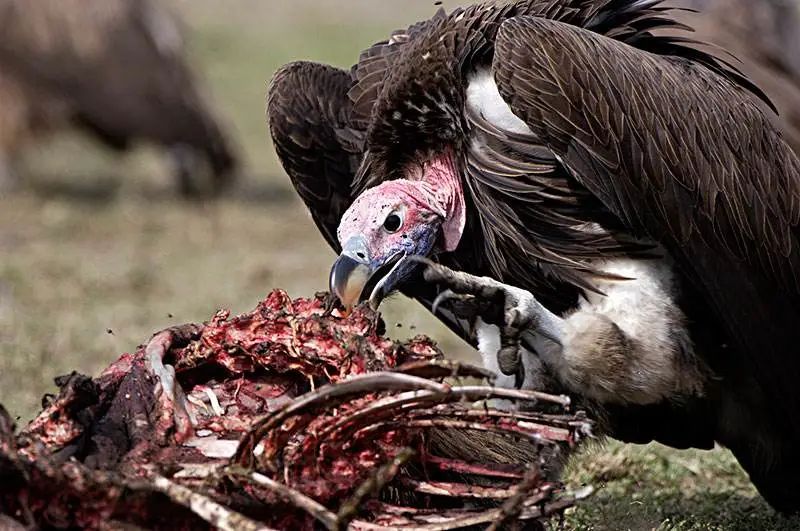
x,y
508,306
509,357
448,295
434,272
513,310
459,281
440,298
519,378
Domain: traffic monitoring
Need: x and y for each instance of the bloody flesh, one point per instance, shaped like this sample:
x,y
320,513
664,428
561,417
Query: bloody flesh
x,y
300,418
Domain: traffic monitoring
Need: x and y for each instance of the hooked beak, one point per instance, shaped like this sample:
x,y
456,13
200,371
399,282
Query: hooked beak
x,y
353,279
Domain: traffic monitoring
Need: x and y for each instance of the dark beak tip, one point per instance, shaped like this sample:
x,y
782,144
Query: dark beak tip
x,y
347,279
340,272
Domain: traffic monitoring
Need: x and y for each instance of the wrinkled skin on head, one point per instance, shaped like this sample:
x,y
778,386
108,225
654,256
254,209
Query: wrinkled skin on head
x,y
398,219
418,227
384,225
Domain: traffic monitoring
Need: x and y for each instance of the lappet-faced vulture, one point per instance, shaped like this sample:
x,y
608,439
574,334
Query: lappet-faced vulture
x,y
585,199
116,68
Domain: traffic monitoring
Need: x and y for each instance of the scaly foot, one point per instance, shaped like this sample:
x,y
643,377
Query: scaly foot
x,y
514,310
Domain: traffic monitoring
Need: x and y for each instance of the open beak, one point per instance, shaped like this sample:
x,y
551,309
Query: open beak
x,y
353,279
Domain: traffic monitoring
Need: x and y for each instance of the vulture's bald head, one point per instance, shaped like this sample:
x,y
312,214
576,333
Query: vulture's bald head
x,y
397,219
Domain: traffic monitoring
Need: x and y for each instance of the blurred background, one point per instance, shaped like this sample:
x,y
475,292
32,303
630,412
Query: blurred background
x,y
100,247
138,189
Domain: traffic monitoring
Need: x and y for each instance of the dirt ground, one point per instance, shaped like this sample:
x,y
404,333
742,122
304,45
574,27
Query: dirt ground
x,y
97,252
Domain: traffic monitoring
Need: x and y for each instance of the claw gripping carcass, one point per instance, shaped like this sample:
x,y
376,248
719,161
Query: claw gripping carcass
x,y
287,417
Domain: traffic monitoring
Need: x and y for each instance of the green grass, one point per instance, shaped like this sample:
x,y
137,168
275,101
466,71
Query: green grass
x,y
655,487
97,254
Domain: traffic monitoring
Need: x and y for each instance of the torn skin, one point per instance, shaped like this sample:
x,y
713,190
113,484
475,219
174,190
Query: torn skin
x,y
291,391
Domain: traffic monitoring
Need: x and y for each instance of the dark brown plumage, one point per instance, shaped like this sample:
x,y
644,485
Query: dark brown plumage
x,y
116,68
641,134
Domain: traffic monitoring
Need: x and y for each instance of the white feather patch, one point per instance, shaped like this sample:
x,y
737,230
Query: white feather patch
x,y
484,98
489,345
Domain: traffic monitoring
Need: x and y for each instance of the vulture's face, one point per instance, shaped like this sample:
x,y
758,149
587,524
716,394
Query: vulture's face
x,y
379,231
391,222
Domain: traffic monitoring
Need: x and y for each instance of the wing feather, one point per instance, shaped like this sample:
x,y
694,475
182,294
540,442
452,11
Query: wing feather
x,y
309,120
694,164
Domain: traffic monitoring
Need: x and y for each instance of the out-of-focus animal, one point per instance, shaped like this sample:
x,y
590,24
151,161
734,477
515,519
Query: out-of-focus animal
x,y
621,214
765,36
116,68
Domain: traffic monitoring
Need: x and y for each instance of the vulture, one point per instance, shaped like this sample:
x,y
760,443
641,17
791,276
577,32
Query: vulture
x,y
598,204
114,68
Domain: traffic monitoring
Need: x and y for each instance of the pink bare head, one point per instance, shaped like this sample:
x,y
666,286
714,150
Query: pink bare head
x,y
392,221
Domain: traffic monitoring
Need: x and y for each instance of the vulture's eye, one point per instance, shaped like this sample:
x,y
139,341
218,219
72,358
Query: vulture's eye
x,y
392,223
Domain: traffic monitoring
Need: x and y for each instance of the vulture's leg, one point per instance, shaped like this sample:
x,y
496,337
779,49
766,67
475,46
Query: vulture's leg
x,y
627,346
168,390
519,312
